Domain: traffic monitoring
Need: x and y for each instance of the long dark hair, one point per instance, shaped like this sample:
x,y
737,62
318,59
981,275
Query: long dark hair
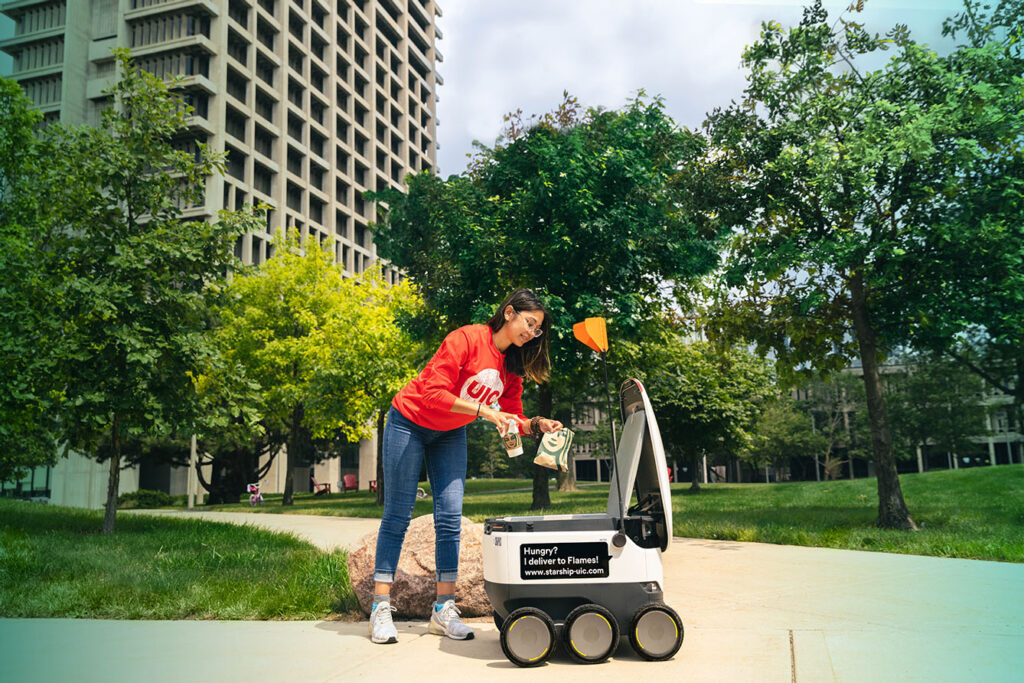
x,y
531,359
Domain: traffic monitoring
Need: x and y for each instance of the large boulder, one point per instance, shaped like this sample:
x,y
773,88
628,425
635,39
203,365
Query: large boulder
x,y
415,585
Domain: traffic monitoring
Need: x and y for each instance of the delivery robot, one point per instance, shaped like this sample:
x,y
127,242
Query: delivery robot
x,y
584,578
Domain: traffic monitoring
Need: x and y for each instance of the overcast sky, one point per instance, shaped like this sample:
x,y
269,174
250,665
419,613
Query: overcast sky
x,y
500,55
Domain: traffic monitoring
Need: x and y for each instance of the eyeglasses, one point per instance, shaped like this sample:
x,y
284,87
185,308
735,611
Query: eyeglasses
x,y
531,325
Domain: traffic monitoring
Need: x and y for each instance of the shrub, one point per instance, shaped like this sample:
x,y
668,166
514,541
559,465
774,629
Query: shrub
x,y
144,499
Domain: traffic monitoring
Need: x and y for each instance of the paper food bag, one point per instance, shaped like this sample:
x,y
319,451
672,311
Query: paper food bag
x,y
553,452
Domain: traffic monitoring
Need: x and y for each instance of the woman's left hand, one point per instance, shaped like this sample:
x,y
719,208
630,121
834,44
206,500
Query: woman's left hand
x,y
547,425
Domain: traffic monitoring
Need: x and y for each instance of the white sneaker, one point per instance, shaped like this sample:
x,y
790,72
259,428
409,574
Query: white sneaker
x,y
446,622
382,629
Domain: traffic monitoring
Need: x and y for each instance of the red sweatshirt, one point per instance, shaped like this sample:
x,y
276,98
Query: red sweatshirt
x,y
468,366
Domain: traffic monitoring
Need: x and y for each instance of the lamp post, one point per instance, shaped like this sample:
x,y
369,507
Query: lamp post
x,y
191,481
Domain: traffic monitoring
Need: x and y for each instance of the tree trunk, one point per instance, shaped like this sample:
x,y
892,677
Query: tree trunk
x,y
694,473
291,450
381,420
892,510
541,496
114,480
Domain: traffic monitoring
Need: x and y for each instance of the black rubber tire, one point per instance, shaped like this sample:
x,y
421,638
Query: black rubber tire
x,y
586,611
665,651
527,617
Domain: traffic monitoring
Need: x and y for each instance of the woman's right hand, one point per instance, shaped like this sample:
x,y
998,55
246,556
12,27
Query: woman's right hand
x,y
500,419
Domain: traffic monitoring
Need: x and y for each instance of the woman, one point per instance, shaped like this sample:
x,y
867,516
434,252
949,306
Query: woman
x,y
476,368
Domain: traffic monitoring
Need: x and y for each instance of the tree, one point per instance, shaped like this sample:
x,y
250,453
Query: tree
x,y
849,192
312,352
832,401
134,274
784,433
999,363
579,207
707,398
990,196
29,318
935,404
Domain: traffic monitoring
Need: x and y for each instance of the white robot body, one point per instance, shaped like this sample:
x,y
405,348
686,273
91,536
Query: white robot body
x,y
589,576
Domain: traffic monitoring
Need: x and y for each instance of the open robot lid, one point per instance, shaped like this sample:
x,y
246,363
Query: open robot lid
x,y
643,468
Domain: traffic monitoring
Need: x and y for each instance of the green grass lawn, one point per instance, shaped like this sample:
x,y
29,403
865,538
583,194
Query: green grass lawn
x,y
975,513
363,503
55,563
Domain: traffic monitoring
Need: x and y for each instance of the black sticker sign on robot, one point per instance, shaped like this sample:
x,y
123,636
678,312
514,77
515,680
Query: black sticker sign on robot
x,y
563,561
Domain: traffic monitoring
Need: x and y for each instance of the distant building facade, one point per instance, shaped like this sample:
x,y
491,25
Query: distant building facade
x,y
1003,444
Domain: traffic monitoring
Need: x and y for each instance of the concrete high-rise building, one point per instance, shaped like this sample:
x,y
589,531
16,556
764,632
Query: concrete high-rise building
x,y
314,101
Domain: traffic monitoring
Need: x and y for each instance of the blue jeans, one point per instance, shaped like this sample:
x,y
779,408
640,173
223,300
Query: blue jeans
x,y
405,445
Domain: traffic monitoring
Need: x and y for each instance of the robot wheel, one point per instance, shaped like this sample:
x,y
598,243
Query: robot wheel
x,y
527,637
656,632
590,634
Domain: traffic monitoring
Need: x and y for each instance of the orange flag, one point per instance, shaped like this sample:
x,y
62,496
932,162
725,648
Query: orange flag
x,y
593,333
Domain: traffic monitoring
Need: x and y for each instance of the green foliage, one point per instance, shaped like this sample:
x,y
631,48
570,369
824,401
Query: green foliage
x,y
135,272
871,209
784,432
113,279
935,404
834,402
145,499
707,398
582,209
305,353
29,320
884,180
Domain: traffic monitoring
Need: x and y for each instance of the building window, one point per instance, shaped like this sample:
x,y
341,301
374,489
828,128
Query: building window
x,y
263,180
265,107
238,48
295,127
266,34
199,103
265,70
296,59
341,158
294,162
294,197
316,177
238,86
263,142
316,144
235,163
239,11
295,93
234,124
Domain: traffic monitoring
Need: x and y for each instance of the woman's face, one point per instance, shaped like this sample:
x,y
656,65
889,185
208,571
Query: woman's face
x,y
521,325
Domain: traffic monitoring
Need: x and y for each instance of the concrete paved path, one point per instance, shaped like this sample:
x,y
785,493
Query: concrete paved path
x,y
753,612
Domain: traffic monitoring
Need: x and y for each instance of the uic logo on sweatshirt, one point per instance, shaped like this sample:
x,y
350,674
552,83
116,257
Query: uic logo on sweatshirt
x,y
483,387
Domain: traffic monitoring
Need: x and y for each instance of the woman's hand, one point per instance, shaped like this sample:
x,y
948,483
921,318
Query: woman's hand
x,y
547,425
500,419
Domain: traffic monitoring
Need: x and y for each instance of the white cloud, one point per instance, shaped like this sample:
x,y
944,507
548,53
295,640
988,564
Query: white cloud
x,y
501,55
